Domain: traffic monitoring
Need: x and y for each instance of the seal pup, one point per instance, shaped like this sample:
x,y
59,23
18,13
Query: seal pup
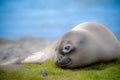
x,y
85,44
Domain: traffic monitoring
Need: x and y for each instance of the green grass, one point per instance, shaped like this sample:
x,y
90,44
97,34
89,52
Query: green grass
x,y
99,71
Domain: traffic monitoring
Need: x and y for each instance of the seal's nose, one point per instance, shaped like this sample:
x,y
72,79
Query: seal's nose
x,y
63,61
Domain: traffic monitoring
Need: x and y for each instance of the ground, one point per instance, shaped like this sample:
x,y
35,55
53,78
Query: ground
x,y
99,71
13,51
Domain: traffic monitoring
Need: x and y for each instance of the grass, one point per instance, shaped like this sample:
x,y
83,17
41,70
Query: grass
x,y
99,71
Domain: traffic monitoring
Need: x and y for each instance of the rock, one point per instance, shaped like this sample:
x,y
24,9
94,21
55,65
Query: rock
x,y
44,73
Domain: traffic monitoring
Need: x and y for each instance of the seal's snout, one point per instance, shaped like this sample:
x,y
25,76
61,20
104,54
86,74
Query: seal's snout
x,y
64,61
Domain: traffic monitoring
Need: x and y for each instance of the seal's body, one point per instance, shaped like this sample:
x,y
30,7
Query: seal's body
x,y
85,44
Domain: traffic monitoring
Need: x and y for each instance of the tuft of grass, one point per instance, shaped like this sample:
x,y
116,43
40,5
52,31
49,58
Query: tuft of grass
x,y
100,71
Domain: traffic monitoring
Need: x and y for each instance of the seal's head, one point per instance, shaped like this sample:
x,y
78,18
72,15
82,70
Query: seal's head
x,y
69,50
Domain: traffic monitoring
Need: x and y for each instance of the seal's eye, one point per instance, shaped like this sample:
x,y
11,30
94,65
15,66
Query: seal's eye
x,y
67,48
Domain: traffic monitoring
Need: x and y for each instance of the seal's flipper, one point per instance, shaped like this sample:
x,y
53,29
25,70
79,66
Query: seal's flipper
x,y
38,57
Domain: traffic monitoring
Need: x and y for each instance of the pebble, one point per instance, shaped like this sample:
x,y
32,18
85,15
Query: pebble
x,y
44,73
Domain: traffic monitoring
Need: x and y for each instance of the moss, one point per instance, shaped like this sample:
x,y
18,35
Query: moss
x,y
99,71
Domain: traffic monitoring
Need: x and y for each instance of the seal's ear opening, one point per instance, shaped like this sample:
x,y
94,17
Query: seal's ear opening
x,y
67,48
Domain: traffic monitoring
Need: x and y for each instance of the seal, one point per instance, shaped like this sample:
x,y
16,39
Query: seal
x,y
85,44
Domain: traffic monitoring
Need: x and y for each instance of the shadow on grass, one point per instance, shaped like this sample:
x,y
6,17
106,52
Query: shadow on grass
x,y
99,66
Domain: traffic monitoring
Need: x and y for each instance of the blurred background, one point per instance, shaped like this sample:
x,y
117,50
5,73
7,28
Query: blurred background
x,y
27,26
50,19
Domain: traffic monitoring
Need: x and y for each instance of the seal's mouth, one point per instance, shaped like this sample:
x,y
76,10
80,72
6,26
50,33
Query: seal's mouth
x,y
65,65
